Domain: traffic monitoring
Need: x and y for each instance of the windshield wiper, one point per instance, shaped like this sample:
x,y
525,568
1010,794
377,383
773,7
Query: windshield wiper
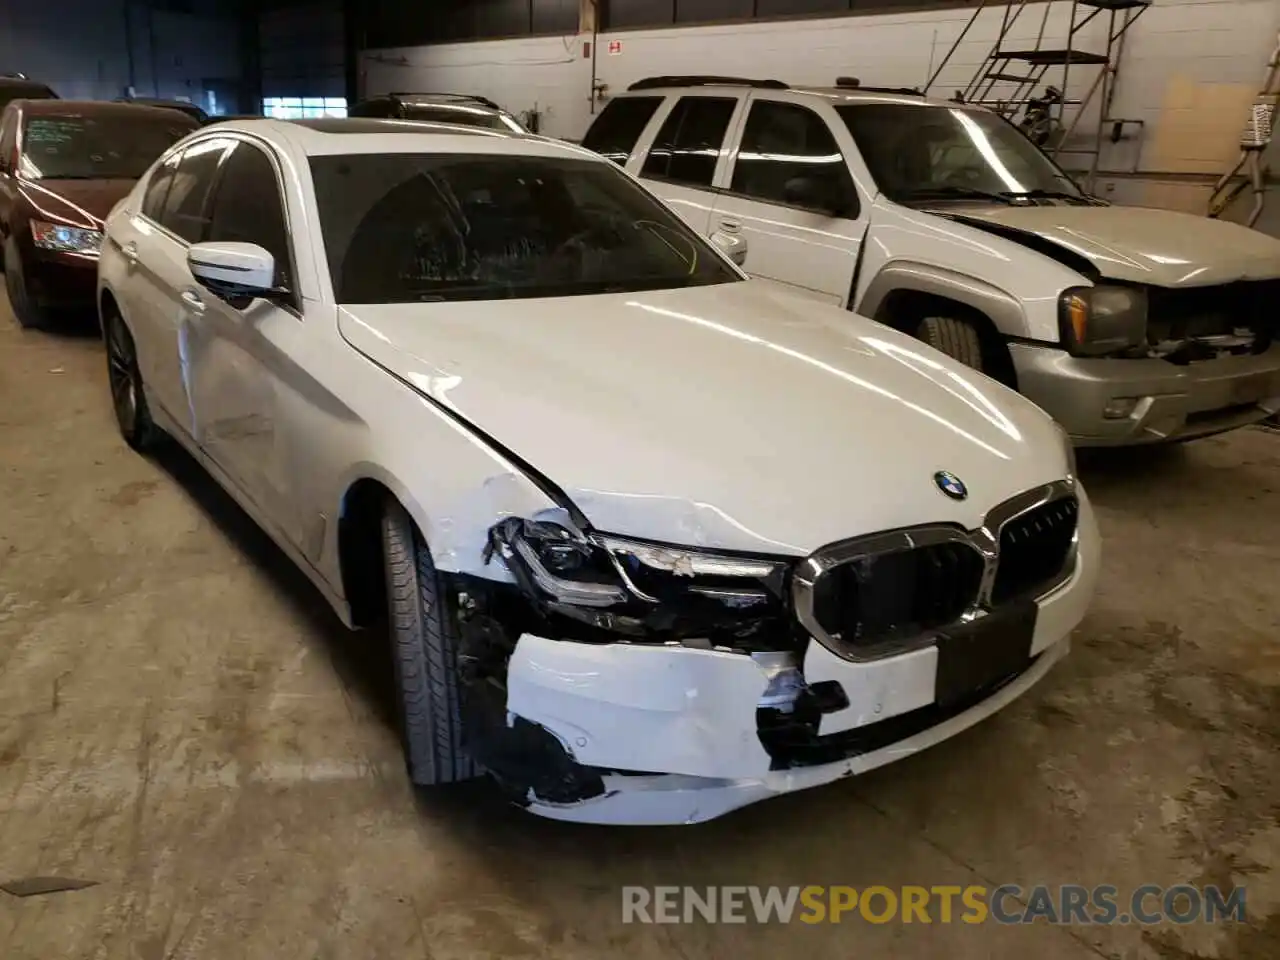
x,y
953,192
1039,194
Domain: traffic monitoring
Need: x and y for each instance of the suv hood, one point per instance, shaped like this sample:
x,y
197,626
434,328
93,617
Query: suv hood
x,y
729,416
1143,245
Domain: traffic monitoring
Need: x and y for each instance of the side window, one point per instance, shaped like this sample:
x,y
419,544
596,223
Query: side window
x,y
789,156
158,187
185,209
614,133
247,206
689,143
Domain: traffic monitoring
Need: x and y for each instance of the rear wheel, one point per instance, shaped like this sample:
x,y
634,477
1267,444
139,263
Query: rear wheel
x,y
127,397
424,639
25,310
958,339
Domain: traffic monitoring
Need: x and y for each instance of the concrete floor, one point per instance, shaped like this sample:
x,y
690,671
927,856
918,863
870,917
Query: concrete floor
x,y
182,721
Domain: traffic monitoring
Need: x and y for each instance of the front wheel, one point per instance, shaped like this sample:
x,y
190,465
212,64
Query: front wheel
x,y
424,642
25,310
958,339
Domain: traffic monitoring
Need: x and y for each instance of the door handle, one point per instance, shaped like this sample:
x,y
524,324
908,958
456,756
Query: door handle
x,y
731,225
191,300
130,251
733,245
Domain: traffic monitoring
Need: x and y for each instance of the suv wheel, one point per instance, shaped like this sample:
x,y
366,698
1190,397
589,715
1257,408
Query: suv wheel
x,y
958,339
424,639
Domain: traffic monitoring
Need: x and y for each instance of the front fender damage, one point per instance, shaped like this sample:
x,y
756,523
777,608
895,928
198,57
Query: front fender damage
x,y
563,708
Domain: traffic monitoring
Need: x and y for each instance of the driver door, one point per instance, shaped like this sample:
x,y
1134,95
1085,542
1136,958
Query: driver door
x,y
239,367
783,146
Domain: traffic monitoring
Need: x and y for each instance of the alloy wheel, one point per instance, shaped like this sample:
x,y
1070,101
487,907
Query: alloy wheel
x,y
121,365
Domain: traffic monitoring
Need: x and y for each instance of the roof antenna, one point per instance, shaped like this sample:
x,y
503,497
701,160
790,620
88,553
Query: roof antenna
x,y
848,82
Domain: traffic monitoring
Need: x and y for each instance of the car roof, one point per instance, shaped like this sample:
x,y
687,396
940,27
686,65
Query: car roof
x,y
833,94
161,102
428,99
325,136
101,108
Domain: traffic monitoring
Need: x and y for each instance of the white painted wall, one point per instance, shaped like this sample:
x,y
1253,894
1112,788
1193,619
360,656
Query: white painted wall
x,y
1190,69
547,73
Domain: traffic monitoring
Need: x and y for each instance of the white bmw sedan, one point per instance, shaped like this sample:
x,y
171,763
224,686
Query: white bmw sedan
x,y
651,541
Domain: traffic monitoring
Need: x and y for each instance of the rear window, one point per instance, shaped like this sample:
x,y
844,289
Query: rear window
x,y
115,146
404,228
614,133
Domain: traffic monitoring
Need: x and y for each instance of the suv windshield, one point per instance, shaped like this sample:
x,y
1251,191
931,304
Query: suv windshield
x,y
411,227
110,147
927,152
461,113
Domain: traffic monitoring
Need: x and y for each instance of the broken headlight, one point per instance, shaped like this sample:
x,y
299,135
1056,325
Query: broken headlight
x,y
637,587
1101,320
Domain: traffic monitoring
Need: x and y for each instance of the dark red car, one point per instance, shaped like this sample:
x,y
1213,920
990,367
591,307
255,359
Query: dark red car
x,y
63,165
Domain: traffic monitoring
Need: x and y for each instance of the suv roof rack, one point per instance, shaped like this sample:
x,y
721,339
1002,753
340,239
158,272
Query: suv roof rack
x,y
653,83
853,83
433,93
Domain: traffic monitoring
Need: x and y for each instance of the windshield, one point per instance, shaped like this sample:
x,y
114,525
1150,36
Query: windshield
x,y
926,151
410,227
460,113
110,147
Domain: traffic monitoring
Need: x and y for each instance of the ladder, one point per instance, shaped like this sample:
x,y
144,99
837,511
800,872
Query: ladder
x,y
1009,77
1253,146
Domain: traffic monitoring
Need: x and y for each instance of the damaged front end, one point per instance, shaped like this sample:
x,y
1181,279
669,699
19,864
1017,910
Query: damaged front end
x,y
634,603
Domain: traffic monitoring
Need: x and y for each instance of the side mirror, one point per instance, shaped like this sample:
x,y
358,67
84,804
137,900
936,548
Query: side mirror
x,y
234,271
813,193
732,245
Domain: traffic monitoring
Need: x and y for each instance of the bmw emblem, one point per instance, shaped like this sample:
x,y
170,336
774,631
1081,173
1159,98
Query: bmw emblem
x,y
951,485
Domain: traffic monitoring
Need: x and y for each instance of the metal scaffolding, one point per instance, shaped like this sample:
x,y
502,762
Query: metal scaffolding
x,y
1254,142
1009,77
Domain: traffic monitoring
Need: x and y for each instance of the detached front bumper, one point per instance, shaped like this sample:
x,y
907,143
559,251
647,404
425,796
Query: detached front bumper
x,y
674,732
1150,400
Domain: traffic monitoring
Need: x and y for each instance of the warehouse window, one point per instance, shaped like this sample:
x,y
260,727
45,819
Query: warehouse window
x,y
291,108
614,133
689,143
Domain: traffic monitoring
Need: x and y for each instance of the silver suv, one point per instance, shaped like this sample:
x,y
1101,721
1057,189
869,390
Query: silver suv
x,y
943,220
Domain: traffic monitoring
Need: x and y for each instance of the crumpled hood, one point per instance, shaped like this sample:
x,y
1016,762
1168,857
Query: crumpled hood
x,y
1142,245
730,416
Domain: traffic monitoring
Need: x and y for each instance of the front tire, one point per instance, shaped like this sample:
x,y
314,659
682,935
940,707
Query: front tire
x,y
25,310
424,642
127,397
958,339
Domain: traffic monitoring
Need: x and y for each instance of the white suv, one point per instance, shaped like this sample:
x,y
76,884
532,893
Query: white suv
x,y
942,220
